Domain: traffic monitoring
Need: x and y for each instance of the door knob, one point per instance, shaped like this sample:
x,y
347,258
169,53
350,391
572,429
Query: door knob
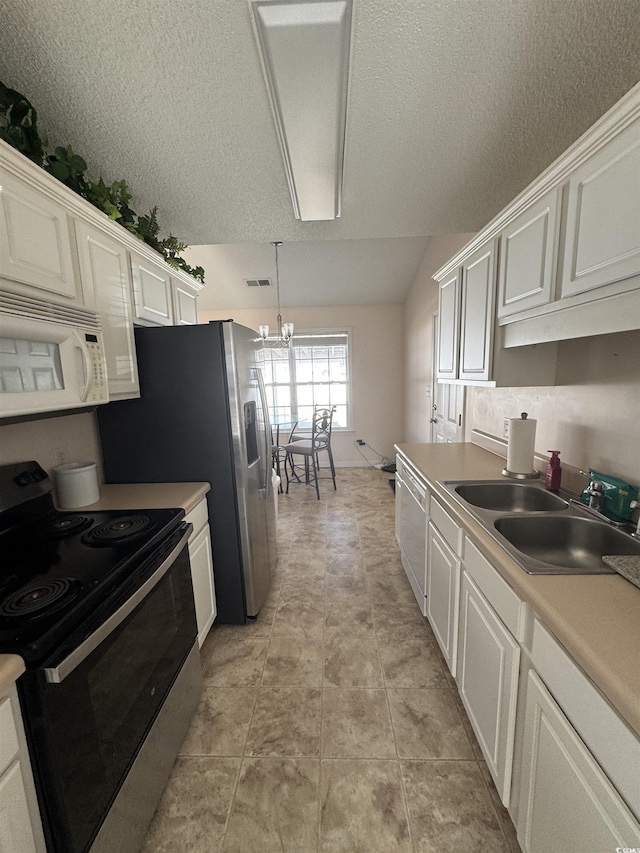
x,y
433,420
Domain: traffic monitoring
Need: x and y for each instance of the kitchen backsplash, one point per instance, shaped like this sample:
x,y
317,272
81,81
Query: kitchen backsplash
x,y
40,439
592,415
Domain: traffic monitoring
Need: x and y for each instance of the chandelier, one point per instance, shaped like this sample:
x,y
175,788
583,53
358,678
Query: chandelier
x,y
285,330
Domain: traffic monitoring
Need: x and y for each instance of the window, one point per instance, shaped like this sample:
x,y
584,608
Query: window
x,y
311,373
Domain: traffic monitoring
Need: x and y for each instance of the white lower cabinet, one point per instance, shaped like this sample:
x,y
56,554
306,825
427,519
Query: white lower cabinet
x,y
567,804
443,580
20,827
201,560
443,589
412,500
487,678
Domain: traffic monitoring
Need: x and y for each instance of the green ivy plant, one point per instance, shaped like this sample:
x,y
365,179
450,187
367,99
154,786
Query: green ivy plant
x,y
18,127
19,124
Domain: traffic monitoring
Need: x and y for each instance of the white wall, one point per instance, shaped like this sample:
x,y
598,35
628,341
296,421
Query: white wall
x,y
419,307
592,415
39,439
377,368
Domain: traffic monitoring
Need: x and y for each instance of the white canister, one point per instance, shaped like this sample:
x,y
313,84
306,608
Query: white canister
x,y
77,484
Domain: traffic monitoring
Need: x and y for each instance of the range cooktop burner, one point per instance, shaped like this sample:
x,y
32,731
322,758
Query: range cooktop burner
x,y
38,600
67,525
117,530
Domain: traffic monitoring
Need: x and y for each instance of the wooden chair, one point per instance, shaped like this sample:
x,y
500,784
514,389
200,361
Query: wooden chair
x,y
310,449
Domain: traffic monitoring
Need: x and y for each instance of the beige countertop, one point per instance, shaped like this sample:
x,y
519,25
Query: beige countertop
x,y
596,618
122,496
11,668
150,496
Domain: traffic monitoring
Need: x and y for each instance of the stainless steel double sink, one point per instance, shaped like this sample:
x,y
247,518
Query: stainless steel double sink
x,y
543,532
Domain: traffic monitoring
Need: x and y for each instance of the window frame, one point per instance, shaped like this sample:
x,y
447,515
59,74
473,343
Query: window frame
x,y
347,332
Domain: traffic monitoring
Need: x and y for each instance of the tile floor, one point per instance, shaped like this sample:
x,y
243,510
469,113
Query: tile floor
x,y
331,722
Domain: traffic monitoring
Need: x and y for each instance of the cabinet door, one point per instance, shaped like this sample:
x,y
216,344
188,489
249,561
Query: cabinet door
x,y
104,266
185,304
202,578
488,664
151,293
16,834
603,217
35,244
476,313
566,801
528,248
449,327
443,587
398,488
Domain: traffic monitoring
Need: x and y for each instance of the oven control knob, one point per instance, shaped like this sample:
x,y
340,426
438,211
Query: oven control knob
x,y
24,478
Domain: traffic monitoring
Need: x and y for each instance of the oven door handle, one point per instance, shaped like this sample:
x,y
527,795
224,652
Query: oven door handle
x,y
57,674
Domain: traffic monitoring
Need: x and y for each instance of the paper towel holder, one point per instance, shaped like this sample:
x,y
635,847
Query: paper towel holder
x,y
530,475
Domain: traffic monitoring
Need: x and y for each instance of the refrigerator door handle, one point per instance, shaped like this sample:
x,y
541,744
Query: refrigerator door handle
x,y
264,486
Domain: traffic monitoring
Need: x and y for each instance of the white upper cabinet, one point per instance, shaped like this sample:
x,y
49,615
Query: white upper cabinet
x,y
449,326
35,245
569,258
603,217
152,293
104,264
470,341
528,249
185,303
476,313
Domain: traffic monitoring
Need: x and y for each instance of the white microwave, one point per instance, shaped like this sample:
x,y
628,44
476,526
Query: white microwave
x,y
49,365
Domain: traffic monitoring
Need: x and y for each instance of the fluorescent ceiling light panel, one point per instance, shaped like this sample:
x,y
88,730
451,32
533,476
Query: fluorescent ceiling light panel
x,y
304,47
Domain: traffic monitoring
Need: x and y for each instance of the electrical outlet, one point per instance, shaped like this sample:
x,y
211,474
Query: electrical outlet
x,y
505,428
360,442
61,455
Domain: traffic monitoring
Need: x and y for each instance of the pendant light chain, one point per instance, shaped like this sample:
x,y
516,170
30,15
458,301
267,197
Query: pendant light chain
x,y
279,316
285,330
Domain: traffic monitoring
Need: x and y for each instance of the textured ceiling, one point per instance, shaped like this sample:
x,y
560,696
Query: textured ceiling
x,y
322,272
455,106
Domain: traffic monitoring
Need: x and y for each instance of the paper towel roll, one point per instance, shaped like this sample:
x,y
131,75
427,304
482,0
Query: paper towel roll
x,y
521,447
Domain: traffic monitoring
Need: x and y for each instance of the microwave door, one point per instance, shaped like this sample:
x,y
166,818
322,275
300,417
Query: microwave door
x,y
46,367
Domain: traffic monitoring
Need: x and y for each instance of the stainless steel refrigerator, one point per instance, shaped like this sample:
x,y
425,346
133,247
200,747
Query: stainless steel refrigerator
x,y
203,415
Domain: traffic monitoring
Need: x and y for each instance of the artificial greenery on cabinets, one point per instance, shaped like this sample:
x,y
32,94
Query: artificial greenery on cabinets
x,y
19,127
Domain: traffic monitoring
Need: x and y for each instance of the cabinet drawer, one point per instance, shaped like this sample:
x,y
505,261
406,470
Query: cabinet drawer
x,y
199,516
449,530
503,599
9,745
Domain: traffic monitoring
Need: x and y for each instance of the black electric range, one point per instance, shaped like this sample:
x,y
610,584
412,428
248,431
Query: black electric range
x,y
56,567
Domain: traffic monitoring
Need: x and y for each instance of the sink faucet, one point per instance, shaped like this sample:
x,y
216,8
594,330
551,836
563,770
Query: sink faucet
x,y
594,490
636,533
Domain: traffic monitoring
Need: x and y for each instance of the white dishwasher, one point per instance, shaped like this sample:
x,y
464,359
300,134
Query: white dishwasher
x,y
412,498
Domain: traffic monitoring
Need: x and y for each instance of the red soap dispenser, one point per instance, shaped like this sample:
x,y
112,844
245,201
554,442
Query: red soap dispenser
x,y
554,472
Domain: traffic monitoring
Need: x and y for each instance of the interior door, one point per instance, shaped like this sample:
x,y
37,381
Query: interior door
x,y
447,406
